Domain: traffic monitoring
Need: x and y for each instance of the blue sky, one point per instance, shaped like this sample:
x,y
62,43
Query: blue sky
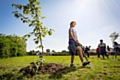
x,y
96,19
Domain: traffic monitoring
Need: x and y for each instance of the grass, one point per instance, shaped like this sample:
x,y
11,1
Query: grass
x,y
108,69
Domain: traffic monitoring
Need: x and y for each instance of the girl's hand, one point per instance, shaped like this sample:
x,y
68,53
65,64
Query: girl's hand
x,y
79,43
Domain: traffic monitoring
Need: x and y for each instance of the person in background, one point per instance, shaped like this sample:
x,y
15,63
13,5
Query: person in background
x,y
116,48
98,53
102,49
86,51
108,49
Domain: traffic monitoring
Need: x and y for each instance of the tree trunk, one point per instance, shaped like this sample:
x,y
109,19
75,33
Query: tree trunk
x,y
41,44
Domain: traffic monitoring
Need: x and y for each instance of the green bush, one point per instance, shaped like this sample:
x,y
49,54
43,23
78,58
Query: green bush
x,y
12,45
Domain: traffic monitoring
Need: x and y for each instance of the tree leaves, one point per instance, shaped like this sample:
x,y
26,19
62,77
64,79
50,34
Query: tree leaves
x,y
27,36
114,36
19,6
32,1
50,31
37,2
31,14
40,46
36,42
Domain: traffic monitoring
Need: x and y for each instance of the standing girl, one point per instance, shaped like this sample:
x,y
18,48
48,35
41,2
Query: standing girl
x,y
74,45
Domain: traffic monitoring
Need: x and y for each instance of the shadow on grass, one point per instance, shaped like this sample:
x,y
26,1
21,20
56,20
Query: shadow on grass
x,y
11,76
17,76
59,74
88,67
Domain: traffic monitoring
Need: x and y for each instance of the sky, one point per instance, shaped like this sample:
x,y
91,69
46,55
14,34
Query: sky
x,y
96,19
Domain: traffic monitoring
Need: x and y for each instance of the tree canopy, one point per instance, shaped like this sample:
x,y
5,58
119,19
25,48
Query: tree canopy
x,y
114,36
48,50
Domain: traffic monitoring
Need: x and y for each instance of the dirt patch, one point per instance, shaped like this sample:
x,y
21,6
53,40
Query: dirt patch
x,y
104,66
2,68
50,68
105,73
47,68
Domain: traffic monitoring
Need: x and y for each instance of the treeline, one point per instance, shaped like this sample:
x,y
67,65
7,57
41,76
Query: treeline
x,y
33,52
11,46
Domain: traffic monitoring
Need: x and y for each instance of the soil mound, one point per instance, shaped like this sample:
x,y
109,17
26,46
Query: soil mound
x,y
47,68
50,68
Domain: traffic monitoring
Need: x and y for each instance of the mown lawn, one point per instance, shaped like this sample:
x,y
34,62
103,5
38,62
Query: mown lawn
x,y
108,69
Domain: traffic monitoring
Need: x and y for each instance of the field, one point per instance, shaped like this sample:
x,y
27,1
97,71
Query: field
x,y
108,69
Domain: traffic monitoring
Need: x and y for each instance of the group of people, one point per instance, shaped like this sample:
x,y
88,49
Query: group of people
x,y
75,47
101,50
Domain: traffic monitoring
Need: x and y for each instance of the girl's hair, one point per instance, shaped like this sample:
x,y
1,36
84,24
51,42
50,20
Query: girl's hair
x,y
72,23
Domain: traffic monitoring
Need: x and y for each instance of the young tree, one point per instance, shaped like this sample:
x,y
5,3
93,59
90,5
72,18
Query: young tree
x,y
114,36
31,14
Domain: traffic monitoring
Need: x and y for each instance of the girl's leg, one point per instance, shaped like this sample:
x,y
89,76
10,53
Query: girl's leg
x,y
103,56
72,59
88,54
115,55
81,57
80,54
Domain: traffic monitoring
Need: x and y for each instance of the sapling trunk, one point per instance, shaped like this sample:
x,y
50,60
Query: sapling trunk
x,y
41,44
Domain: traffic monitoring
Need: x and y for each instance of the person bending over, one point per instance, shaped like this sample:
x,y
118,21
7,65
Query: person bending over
x,y
86,51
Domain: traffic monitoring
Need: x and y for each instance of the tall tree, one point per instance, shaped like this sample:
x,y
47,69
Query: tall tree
x,y
114,36
31,14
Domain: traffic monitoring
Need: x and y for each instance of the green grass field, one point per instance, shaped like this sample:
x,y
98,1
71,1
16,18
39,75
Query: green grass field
x,y
108,69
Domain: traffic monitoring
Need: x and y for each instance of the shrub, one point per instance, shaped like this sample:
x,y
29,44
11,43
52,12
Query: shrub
x,y
12,45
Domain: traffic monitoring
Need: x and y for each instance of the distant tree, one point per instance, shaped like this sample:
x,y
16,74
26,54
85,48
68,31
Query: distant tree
x,y
53,51
48,50
37,52
31,14
63,51
114,36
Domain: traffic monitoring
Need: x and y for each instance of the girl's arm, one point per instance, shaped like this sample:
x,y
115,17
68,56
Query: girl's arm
x,y
71,34
105,46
